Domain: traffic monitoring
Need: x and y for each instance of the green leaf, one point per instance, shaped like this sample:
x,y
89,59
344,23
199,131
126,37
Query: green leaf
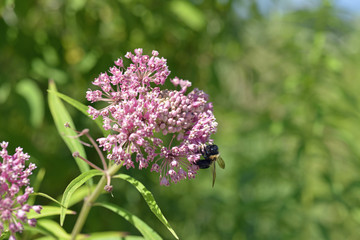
x,y
88,62
52,228
4,92
46,196
71,188
48,211
108,236
77,5
113,237
5,235
189,14
61,116
31,92
82,108
38,230
49,228
143,228
80,194
46,238
6,4
149,198
44,70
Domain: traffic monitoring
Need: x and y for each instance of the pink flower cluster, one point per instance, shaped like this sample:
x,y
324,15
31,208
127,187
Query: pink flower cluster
x,y
14,176
138,112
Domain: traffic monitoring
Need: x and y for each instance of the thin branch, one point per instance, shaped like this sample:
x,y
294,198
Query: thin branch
x,y
97,149
76,154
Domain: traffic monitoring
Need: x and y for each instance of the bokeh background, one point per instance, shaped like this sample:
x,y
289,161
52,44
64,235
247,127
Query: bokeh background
x,y
284,80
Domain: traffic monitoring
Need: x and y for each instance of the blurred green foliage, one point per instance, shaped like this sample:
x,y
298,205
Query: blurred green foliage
x,y
285,93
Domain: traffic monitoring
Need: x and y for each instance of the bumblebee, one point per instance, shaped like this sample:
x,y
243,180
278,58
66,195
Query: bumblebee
x,y
211,155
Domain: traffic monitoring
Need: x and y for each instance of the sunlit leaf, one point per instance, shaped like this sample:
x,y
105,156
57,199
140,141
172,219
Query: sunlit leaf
x,y
46,196
143,228
29,90
47,211
39,230
52,228
150,200
77,5
41,68
108,236
72,187
61,116
49,228
80,194
4,92
188,13
88,62
5,3
50,55
111,237
45,238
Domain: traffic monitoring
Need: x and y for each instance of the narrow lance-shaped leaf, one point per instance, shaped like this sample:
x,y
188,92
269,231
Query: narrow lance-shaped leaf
x,y
53,228
45,238
149,198
72,187
143,228
49,229
47,211
80,194
38,230
46,196
82,108
108,236
61,116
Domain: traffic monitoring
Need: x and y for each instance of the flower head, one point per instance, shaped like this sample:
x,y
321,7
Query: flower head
x,y
13,177
140,115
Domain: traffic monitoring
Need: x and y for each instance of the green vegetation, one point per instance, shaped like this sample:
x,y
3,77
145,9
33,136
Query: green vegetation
x,y
285,93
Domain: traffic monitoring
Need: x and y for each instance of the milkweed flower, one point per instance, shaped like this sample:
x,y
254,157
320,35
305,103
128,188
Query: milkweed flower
x,y
13,177
140,115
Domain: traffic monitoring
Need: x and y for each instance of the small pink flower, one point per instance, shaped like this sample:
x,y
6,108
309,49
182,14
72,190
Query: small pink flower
x,y
32,222
37,208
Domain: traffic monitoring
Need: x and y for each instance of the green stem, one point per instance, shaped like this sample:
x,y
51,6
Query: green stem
x,y
90,200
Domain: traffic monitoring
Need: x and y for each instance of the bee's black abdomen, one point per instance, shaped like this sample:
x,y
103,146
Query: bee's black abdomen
x,y
204,163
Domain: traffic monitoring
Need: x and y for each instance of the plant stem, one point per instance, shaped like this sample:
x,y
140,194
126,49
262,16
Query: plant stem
x,y
90,200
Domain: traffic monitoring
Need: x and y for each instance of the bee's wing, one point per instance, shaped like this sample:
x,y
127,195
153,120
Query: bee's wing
x,y
221,162
213,166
